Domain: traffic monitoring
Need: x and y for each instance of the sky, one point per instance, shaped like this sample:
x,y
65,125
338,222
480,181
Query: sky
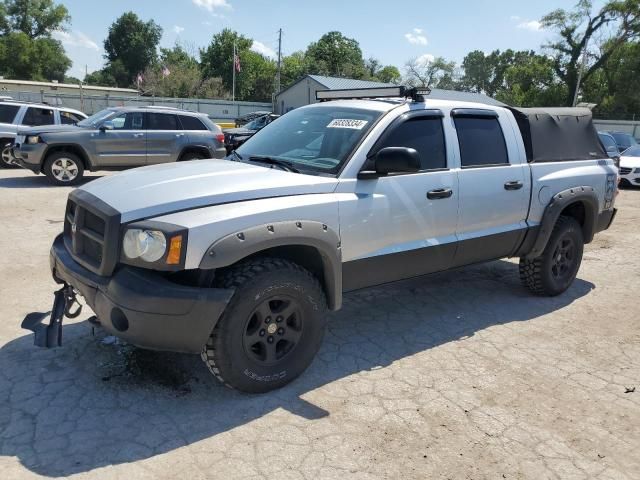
x,y
422,29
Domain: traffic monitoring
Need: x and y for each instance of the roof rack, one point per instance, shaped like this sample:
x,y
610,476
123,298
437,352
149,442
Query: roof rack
x,y
416,94
160,107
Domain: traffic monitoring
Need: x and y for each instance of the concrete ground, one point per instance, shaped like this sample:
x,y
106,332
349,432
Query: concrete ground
x,y
461,375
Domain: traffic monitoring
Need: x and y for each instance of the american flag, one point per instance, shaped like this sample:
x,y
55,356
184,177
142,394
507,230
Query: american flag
x,y
165,71
236,63
139,79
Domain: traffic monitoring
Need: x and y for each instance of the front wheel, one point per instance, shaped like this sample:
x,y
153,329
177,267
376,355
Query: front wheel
x,y
556,268
272,328
63,168
6,157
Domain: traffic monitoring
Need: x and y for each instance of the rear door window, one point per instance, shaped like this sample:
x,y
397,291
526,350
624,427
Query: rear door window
x,y
128,121
162,121
481,141
8,113
191,123
38,116
69,118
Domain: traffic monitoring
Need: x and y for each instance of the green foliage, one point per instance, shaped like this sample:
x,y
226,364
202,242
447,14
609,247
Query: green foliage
x,y
27,50
435,73
531,81
335,55
131,47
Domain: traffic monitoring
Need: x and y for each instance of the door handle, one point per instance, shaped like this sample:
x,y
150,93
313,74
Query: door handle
x,y
137,135
514,185
439,193
179,134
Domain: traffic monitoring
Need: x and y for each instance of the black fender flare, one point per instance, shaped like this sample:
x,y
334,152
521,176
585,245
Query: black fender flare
x,y
585,195
195,147
236,246
86,158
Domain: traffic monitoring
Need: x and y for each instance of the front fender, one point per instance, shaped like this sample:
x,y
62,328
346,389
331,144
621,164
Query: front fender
x,y
236,246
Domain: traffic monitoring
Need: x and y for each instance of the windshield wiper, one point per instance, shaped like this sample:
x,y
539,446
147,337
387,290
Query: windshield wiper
x,y
274,161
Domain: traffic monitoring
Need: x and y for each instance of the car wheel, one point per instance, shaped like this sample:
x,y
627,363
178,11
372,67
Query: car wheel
x,y
191,156
6,156
272,328
556,268
63,168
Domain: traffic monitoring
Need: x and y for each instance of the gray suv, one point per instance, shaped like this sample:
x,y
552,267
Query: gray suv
x,y
118,138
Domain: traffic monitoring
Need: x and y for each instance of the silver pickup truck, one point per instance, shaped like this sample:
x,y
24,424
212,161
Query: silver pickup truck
x,y
240,259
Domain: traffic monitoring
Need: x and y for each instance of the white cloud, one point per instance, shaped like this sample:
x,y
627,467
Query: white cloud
x,y
262,49
425,59
533,25
178,29
515,18
75,39
212,5
416,37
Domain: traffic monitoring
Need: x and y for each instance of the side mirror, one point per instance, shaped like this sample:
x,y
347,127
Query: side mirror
x,y
106,125
392,160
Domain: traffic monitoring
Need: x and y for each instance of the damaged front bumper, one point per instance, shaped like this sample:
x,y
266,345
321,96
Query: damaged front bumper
x,y
139,306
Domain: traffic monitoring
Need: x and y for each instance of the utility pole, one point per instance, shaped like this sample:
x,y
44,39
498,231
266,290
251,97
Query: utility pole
x,y
279,61
583,64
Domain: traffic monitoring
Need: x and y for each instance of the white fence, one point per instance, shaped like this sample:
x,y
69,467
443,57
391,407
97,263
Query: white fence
x,y
90,104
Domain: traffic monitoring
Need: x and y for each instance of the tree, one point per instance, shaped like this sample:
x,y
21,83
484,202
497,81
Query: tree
x,y
216,60
27,50
531,81
336,55
579,32
131,47
294,66
389,74
36,18
434,73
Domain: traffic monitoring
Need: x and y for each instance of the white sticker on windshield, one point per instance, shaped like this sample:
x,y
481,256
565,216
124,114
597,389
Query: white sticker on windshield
x,y
347,123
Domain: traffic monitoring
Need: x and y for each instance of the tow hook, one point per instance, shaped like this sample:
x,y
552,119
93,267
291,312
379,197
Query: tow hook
x,y
50,335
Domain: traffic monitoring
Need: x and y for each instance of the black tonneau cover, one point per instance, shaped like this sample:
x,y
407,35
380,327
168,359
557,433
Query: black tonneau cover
x,y
558,134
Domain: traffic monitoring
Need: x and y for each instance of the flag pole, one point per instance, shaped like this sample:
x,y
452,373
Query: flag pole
x,y
233,68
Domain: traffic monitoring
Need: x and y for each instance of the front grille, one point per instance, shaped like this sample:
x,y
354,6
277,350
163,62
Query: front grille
x,y
625,171
91,232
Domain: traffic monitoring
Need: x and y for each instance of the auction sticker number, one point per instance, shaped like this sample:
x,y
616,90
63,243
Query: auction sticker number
x,y
347,123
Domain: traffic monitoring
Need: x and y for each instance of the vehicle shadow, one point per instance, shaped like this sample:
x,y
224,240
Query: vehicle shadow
x,y
94,402
37,181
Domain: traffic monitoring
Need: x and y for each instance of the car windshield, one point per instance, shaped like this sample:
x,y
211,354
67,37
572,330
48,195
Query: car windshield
x,y
624,139
96,118
608,141
632,151
256,124
312,139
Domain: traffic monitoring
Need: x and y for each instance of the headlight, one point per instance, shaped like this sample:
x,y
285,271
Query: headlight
x,y
32,139
147,245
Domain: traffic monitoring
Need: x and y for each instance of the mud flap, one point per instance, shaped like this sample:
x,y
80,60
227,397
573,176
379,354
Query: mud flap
x,y
50,335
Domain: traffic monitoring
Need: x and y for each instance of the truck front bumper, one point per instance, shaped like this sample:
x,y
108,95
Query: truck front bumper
x,y
29,156
142,307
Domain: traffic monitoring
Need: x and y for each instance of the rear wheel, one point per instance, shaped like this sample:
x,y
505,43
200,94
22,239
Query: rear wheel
x,y
5,155
191,156
556,268
63,168
272,328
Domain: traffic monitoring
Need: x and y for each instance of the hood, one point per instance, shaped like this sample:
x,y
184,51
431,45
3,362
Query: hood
x,y
630,162
162,189
49,129
239,131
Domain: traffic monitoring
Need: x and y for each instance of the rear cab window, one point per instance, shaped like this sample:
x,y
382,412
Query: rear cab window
x,y
8,113
191,123
162,121
480,138
36,116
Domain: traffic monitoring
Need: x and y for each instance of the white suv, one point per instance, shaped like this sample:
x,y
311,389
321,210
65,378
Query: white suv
x,y
15,114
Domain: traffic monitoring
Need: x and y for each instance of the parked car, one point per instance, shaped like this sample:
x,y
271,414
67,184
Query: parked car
x,y
15,115
234,137
240,260
630,167
117,138
610,146
246,118
624,140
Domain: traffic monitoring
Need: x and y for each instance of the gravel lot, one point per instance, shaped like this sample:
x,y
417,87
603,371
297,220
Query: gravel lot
x,y
462,375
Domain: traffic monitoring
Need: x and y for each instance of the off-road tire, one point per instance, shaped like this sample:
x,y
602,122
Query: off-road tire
x,y
256,281
537,274
49,166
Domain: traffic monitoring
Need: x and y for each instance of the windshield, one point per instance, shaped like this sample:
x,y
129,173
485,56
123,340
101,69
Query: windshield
x,y
256,124
313,139
632,151
624,139
96,118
